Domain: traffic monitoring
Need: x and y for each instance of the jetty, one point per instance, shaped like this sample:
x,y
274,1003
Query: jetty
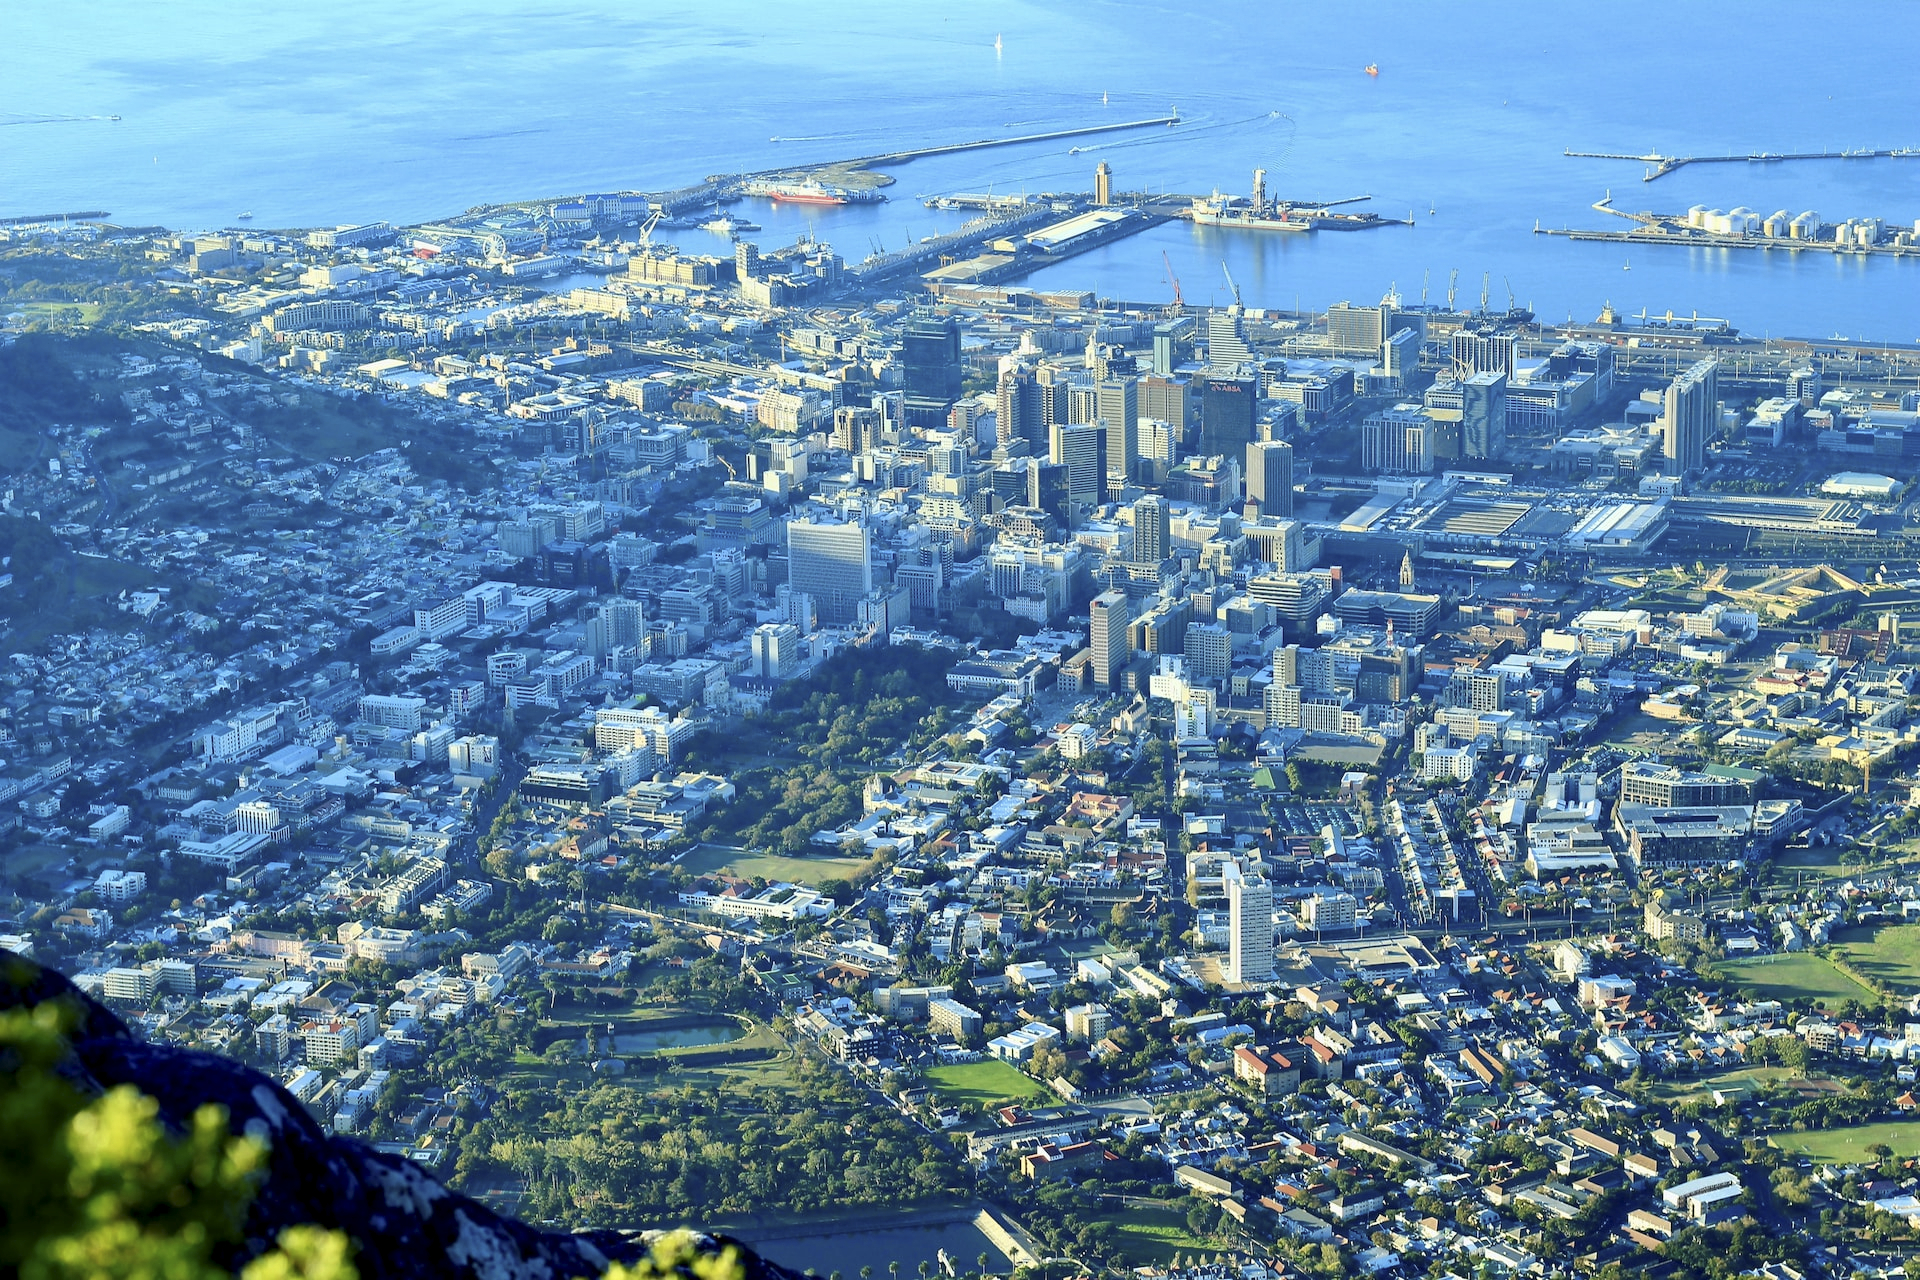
x,y
1664,165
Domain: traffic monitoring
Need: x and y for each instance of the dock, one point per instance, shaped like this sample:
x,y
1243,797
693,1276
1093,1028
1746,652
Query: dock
x,y
1690,238
1664,165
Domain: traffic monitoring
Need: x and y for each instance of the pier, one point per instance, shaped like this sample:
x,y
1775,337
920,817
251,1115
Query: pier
x,y
1655,233
1664,165
31,219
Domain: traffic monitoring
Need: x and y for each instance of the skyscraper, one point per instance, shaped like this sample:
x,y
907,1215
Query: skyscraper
x,y
1172,344
1229,406
1691,416
1483,415
1152,533
1049,489
1483,353
1103,183
1078,448
1169,400
1357,331
930,359
1017,409
1249,926
1227,337
1270,477
831,562
1107,636
1119,406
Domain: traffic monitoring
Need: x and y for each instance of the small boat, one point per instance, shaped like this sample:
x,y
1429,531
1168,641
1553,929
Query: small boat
x,y
1627,265
1074,151
1373,68
246,216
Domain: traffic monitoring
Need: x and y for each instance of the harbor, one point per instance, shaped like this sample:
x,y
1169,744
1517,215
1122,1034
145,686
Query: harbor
x,y
1105,216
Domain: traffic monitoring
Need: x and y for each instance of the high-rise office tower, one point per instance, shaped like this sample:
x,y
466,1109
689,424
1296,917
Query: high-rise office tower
x,y
1483,415
1270,477
1227,337
1118,404
1159,449
1107,636
1078,448
746,260
1017,409
1103,183
930,359
1358,331
1056,392
1049,489
1249,926
1170,400
1152,532
1229,407
1007,483
1483,353
831,562
1691,416
1172,345
855,430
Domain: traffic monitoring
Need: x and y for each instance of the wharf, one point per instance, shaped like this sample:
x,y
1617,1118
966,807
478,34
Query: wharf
x,y
1009,258
1695,239
1664,165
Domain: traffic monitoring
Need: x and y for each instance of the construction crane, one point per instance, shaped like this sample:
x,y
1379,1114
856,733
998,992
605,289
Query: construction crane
x,y
646,230
731,473
1453,284
1486,286
1179,301
1231,285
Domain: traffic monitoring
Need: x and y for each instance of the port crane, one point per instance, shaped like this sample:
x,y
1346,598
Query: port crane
x,y
1231,285
1179,301
1453,285
1486,291
646,229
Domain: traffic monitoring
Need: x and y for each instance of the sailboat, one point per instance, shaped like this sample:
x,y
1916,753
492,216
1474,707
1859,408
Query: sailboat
x,y
1103,98
996,46
1627,265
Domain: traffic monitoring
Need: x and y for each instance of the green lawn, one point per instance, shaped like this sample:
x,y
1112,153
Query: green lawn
x,y
1792,976
1150,1237
1849,1146
1741,1079
984,1084
709,858
1890,953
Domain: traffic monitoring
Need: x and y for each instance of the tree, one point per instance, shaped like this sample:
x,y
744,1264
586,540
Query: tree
x,y
96,1188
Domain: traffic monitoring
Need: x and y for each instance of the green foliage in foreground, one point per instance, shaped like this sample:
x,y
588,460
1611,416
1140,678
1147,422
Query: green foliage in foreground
x,y
96,1189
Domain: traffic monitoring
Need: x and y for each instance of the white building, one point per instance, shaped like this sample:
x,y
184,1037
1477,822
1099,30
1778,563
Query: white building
x,y
1250,929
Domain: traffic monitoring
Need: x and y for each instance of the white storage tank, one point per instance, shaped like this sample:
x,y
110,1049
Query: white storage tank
x,y
1777,225
1697,216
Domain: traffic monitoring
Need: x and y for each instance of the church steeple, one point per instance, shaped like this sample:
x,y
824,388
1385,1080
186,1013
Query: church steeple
x,y
1406,571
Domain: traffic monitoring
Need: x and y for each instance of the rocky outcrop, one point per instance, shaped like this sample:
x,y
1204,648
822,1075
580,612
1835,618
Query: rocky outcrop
x,y
404,1224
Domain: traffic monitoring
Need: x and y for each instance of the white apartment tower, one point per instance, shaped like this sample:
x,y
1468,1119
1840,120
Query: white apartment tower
x,y
1250,926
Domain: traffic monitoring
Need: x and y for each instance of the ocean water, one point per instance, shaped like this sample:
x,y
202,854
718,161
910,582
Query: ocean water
x,y
307,115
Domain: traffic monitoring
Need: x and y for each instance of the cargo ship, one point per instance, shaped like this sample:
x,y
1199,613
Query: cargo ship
x,y
811,192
